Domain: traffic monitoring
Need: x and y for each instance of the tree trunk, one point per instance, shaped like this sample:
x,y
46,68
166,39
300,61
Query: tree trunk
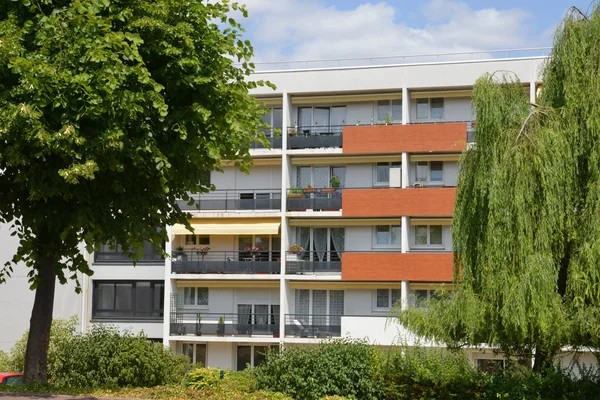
x,y
36,355
542,361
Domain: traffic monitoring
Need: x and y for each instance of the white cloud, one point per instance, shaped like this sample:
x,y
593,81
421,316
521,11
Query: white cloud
x,y
306,29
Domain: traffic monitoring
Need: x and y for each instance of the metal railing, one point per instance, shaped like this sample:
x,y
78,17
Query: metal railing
x,y
108,256
403,59
317,136
327,199
185,322
313,326
312,262
225,262
235,200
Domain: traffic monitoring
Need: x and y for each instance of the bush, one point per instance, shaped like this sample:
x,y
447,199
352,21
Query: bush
x,y
341,367
417,372
104,357
200,378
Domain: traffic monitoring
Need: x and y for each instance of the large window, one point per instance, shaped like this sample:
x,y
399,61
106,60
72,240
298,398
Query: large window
x,y
196,352
387,298
393,107
319,304
252,355
429,171
382,172
321,244
128,299
430,108
195,296
321,119
273,117
388,235
428,235
319,176
106,254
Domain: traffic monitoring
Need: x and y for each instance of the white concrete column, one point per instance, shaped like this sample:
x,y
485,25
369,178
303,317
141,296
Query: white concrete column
x,y
532,90
285,184
405,169
404,294
168,289
405,226
405,106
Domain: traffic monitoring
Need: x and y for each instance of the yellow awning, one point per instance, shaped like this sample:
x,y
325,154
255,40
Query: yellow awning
x,y
214,226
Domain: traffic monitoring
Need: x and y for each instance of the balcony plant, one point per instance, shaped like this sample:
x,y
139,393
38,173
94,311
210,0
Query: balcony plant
x,y
335,183
310,189
295,248
295,192
252,249
202,251
221,326
292,132
198,324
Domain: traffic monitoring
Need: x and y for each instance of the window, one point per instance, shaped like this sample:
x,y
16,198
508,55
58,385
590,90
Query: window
x,y
387,298
326,119
321,244
388,235
319,176
420,296
274,118
203,240
318,303
128,299
252,356
429,171
430,108
196,352
382,172
190,239
393,107
488,365
195,296
437,108
428,235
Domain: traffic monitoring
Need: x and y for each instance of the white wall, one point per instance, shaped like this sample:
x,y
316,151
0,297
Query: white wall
x,y
378,330
16,300
220,355
260,177
129,272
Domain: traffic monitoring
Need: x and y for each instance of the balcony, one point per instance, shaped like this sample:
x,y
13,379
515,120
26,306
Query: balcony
x,y
106,255
314,137
235,200
313,262
325,199
275,143
225,262
189,323
313,326
391,202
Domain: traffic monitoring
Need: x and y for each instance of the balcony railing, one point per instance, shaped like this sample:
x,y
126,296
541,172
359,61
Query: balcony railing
x,y
311,262
235,200
326,199
314,137
274,141
313,326
225,262
107,256
189,323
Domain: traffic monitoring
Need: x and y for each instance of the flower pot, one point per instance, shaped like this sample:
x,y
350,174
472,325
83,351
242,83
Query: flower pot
x,y
328,190
221,329
293,257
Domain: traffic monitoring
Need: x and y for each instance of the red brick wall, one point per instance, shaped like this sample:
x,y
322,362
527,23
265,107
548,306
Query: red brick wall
x,y
421,267
394,202
448,137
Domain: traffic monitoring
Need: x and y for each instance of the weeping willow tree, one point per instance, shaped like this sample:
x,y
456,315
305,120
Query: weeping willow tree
x,y
526,225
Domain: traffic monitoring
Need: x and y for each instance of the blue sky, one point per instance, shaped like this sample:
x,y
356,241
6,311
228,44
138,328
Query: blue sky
x,y
309,29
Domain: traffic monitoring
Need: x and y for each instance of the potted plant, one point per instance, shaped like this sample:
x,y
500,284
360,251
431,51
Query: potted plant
x,y
335,183
357,122
309,189
221,326
292,132
388,120
295,192
202,251
293,252
198,324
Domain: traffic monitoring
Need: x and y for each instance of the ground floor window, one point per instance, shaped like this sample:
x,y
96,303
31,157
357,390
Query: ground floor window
x,y
128,299
489,366
252,356
196,352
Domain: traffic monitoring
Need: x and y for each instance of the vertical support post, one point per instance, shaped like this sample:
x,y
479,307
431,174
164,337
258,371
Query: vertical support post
x,y
532,90
168,289
285,184
404,294
404,238
405,106
405,170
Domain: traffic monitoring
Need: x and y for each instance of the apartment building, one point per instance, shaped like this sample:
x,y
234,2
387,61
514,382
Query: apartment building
x,y
347,214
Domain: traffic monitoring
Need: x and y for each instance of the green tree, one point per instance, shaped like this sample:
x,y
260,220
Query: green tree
x,y
110,111
526,225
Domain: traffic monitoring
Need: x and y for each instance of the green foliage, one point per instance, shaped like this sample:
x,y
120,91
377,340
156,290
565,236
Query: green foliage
x,y
339,367
61,333
335,181
199,378
104,357
526,226
111,111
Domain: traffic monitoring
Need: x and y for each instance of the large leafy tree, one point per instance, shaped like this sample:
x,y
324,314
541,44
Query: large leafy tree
x,y
526,225
110,111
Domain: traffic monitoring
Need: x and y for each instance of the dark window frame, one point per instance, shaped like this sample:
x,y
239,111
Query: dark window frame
x,y
155,290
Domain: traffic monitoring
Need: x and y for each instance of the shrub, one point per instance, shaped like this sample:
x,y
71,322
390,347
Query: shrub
x,y
340,367
200,378
104,357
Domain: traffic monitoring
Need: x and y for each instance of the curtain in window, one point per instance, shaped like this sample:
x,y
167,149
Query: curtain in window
x,y
321,119
336,307
305,117
320,242
319,307
338,118
338,236
261,314
244,314
303,237
302,305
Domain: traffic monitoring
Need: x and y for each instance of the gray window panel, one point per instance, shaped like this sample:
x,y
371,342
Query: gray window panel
x,y
302,303
188,350
397,110
336,307
437,108
305,117
382,234
435,234
277,118
383,107
396,234
190,239
436,172
143,299
420,296
421,171
422,108
189,296
123,297
319,307
244,357
106,296
259,355
383,172
396,296
421,234
304,177
201,354
202,296
383,298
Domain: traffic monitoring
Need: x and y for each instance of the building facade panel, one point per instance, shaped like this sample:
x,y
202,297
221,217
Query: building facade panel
x,y
395,267
422,202
442,137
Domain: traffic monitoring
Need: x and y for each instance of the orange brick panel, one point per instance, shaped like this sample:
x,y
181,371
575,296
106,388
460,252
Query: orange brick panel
x,y
445,137
422,267
395,202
